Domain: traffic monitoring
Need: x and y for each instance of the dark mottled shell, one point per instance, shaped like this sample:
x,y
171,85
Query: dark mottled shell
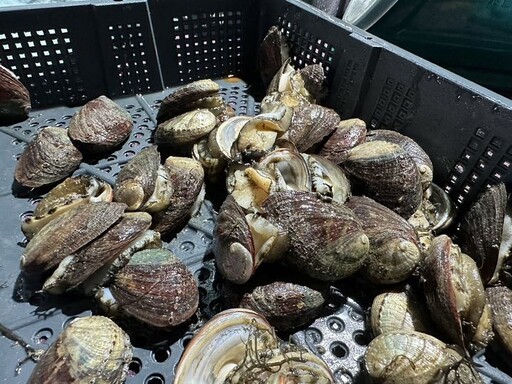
x,y
481,231
156,288
76,268
184,130
50,157
327,241
284,305
187,180
89,350
500,299
233,245
68,233
100,125
387,174
347,135
178,101
314,80
310,124
14,98
274,51
454,291
137,179
404,357
394,244
66,195
412,148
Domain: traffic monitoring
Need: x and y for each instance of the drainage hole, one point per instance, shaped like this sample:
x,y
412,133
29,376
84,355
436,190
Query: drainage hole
x,y
339,350
155,379
360,338
134,367
161,354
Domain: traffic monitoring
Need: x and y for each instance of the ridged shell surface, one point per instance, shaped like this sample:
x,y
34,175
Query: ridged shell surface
x,y
500,299
347,135
100,125
14,98
68,233
327,240
273,52
156,288
89,350
50,157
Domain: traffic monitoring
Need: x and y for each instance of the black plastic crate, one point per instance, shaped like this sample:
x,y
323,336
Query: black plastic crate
x,y
130,50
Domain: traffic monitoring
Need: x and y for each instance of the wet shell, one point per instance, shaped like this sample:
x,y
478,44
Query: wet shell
x,y
222,140
77,268
177,102
66,195
89,350
310,124
136,181
186,176
313,77
398,311
455,293
274,51
327,241
14,98
68,233
500,299
347,135
289,169
221,344
394,244
387,174
233,245
156,288
100,125
413,357
284,305
50,157
481,229
413,150
182,131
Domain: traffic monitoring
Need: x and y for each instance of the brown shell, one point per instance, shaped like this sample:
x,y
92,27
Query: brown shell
x,y
187,180
233,245
156,288
327,241
89,350
50,157
313,76
178,101
184,130
310,124
68,233
347,135
100,125
481,230
500,299
79,266
454,291
273,52
394,244
14,98
284,305
412,148
137,179
387,174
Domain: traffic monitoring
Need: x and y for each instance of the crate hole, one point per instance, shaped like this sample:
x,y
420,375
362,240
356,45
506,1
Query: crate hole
x,y
356,315
314,335
161,355
43,336
360,338
335,324
26,216
134,367
154,378
186,340
343,376
68,321
203,274
339,350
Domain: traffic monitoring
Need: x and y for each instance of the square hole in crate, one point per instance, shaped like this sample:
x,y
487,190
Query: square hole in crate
x,y
130,51
46,63
208,44
305,47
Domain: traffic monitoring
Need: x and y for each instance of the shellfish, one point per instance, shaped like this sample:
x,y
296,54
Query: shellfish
x,y
273,52
14,98
347,135
89,350
155,287
50,157
100,125
500,299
